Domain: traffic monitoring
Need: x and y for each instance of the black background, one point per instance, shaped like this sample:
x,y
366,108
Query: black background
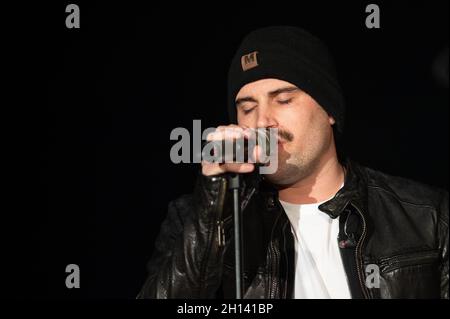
x,y
114,89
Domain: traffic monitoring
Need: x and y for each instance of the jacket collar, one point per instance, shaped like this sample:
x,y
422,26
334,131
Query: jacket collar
x,y
354,191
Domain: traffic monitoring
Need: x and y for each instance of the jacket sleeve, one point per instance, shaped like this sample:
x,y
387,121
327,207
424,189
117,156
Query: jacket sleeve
x,y
187,259
443,245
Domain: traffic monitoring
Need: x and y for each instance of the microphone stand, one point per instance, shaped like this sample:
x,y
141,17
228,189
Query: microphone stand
x,y
234,185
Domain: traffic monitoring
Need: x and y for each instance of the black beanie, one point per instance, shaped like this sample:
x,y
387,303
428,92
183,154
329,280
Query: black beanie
x,y
289,54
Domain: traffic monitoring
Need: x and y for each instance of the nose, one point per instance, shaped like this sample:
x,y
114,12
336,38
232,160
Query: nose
x,y
265,117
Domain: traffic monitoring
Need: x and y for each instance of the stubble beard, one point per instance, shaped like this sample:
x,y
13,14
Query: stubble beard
x,y
296,166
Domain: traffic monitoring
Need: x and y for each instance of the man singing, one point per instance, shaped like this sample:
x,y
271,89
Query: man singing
x,y
320,226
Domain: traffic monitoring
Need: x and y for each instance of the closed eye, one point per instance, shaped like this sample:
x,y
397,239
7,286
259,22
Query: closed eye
x,y
285,101
247,111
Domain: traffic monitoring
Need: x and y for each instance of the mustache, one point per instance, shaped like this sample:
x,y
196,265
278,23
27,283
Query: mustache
x,y
286,135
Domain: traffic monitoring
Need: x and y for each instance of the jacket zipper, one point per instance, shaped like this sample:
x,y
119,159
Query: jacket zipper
x,y
286,224
222,223
221,226
219,221
217,214
274,260
358,254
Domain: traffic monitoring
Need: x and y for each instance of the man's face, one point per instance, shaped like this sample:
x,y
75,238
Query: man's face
x,y
305,132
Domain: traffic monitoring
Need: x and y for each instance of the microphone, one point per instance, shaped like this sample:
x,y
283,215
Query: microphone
x,y
240,150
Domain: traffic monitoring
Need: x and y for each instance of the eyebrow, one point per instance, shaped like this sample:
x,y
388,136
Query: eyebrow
x,y
244,99
287,89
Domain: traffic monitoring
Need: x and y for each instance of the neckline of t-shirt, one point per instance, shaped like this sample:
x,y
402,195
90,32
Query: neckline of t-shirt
x,y
309,204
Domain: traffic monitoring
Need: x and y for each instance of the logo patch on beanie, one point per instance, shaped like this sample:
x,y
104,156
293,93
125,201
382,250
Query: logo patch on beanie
x,y
249,61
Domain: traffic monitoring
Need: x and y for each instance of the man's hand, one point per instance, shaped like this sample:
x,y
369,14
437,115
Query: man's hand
x,y
229,132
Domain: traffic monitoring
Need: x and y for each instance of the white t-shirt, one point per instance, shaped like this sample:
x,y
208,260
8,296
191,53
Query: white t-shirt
x,y
319,272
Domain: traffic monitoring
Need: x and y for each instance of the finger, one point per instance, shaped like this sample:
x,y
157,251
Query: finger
x,y
209,169
256,154
224,127
229,133
238,167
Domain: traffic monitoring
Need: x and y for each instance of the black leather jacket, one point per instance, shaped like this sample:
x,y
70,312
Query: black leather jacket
x,y
398,226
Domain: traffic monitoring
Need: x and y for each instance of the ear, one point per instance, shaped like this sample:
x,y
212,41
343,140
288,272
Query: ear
x,y
331,120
